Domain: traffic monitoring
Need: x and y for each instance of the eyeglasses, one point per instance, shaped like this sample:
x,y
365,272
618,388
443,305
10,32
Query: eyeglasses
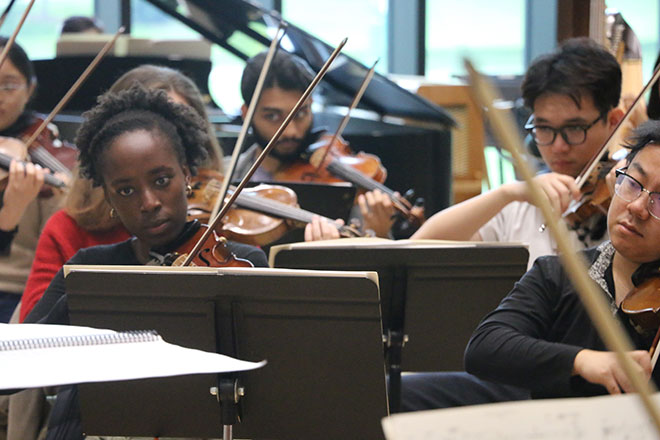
x,y
572,134
629,189
9,88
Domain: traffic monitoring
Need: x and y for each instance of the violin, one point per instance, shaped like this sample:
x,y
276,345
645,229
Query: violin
x,y
313,166
595,198
5,161
213,253
331,160
642,304
262,214
48,150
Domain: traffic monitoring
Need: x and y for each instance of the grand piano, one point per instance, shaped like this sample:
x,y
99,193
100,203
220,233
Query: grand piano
x,y
410,134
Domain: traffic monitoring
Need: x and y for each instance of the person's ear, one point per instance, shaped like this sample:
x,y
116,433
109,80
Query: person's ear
x,y
614,116
244,110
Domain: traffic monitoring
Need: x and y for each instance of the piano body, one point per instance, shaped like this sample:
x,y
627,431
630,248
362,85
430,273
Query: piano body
x,y
410,134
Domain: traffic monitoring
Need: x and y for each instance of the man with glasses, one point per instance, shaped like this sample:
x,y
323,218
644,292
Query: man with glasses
x,y
573,93
541,337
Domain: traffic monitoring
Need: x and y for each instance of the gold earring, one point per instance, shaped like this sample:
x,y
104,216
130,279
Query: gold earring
x,y
113,213
189,190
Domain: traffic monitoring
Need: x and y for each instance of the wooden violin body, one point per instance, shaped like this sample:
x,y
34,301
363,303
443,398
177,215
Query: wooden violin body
x,y
214,252
314,165
596,197
260,216
48,150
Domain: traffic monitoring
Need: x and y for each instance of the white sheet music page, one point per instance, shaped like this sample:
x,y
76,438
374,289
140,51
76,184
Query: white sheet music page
x,y
588,418
38,355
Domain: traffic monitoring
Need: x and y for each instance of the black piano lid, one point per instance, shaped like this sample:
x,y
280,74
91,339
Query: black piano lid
x,y
219,20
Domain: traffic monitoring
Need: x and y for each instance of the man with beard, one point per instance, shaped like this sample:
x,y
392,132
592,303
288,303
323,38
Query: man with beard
x,y
285,83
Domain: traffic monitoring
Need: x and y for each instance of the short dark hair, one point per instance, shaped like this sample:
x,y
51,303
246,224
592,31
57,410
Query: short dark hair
x,y
579,66
19,58
79,23
139,109
287,72
645,134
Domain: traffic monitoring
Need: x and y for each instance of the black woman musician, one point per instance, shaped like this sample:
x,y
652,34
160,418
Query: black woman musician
x,y
141,149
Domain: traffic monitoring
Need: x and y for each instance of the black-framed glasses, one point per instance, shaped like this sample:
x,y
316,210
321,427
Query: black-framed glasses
x,y
629,189
573,134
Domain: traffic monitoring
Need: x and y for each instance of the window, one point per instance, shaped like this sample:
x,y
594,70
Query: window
x,y
147,21
491,33
364,22
39,33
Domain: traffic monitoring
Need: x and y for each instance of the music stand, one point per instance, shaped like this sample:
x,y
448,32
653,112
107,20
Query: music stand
x,y
319,331
433,294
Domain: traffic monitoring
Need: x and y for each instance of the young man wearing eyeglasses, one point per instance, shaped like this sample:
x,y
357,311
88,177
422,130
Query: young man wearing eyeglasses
x,y
540,337
573,93
540,341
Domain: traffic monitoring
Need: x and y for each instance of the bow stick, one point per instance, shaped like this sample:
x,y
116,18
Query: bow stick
x,y
3,17
74,88
609,329
193,253
10,42
274,44
347,116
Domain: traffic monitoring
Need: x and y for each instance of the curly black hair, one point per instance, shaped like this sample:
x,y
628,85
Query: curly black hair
x,y
139,109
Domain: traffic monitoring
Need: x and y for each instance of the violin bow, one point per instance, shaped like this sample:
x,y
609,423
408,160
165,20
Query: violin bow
x,y
216,220
611,333
5,13
274,44
74,88
10,42
581,180
344,121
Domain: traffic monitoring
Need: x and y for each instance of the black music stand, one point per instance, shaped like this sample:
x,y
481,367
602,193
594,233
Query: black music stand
x,y
432,295
320,333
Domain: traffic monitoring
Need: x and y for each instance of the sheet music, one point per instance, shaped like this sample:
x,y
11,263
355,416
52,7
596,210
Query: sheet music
x,y
47,366
602,418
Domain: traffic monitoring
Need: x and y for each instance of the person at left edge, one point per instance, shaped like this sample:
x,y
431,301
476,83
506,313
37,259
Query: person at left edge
x,y
17,86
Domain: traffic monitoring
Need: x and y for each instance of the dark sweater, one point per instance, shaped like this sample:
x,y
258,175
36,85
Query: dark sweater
x,y
533,336
53,309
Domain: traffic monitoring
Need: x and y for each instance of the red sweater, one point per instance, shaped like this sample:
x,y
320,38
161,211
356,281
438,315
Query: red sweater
x,y
60,239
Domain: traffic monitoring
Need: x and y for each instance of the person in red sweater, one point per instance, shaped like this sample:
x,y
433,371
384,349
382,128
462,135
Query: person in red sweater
x,y
60,239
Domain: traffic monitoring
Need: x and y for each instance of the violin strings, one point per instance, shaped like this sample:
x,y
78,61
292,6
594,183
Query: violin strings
x,y
274,207
43,157
352,175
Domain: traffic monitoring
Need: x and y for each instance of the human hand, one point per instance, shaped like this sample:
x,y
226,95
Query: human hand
x,y
602,367
321,229
24,183
377,212
559,190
